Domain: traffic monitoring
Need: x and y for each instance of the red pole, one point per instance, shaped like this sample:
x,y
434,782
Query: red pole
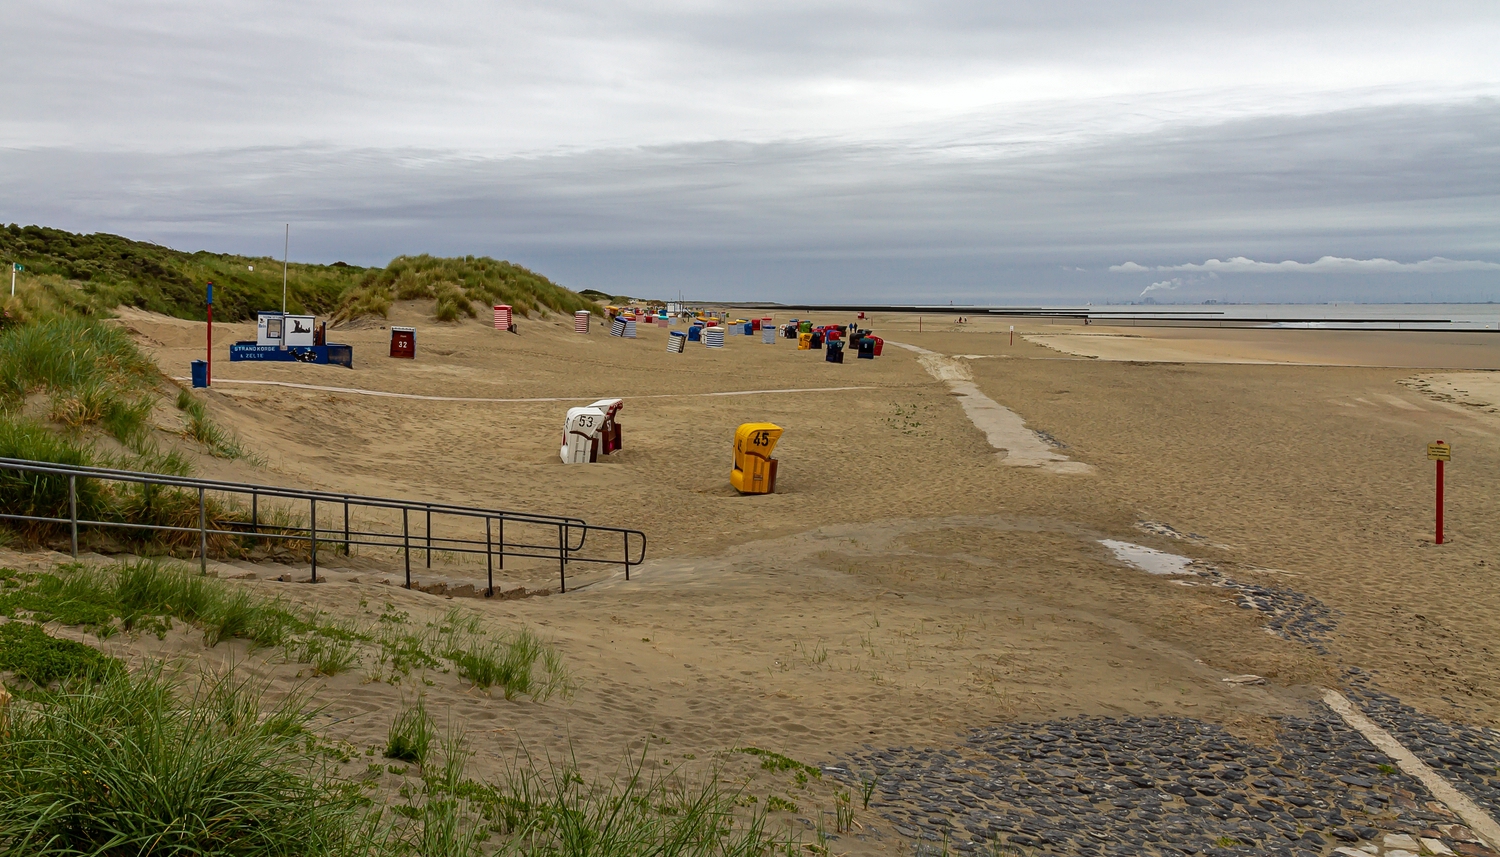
x,y
208,374
1440,501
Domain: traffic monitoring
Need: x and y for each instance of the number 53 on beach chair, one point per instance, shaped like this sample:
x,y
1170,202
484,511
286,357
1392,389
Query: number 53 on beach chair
x,y
581,435
754,468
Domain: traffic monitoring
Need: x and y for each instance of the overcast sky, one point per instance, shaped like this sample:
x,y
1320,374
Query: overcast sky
x,y
991,152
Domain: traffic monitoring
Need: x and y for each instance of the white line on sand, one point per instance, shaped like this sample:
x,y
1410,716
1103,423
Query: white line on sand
x,y
389,395
1477,819
1003,427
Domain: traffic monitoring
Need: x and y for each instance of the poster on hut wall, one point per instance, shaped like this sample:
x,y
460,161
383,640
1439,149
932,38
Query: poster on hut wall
x,y
301,330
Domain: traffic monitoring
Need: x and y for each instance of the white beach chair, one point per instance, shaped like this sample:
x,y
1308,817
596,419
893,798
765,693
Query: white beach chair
x,y
581,435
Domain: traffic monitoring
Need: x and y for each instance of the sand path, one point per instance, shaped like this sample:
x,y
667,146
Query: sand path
x,y
390,395
1003,428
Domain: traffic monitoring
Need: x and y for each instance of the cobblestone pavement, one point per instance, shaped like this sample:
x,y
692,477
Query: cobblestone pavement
x,y
1466,756
1155,786
1174,786
1290,615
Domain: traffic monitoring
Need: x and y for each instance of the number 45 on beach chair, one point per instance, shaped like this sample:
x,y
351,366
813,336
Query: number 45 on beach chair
x,y
754,468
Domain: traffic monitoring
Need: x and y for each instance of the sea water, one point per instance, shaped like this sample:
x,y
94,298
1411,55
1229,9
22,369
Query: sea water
x,y
1332,316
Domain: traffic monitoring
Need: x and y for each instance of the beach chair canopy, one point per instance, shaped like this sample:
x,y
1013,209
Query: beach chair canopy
x,y
609,434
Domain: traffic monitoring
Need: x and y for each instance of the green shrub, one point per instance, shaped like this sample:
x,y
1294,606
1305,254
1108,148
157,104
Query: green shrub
x,y
95,273
455,284
28,651
452,304
68,273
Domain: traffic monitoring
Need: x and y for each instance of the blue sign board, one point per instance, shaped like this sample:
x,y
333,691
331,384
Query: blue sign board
x,y
339,355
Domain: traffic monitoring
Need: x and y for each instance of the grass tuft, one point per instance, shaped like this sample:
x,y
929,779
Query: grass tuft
x,y
147,595
328,656
126,765
411,734
517,663
199,427
777,763
81,357
558,812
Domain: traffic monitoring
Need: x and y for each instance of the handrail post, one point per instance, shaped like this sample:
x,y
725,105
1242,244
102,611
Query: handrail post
x,y
313,507
429,537
406,543
489,559
562,559
626,537
502,545
255,511
202,534
347,552
73,510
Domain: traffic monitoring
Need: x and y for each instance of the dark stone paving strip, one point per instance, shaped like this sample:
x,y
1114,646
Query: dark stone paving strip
x,y
1153,786
1289,614
1466,756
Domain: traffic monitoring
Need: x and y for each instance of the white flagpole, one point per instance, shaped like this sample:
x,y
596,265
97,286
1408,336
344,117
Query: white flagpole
x,y
284,252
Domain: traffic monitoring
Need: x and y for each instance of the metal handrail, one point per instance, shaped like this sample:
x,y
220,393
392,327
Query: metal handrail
x,y
564,550
272,490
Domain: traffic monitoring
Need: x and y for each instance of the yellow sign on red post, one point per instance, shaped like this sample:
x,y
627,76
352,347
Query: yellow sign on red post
x,y
1440,452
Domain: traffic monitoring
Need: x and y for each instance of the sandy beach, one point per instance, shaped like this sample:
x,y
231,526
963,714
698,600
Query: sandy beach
x,y
916,575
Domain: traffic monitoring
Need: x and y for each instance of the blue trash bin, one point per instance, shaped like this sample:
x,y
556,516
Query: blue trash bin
x,y
200,373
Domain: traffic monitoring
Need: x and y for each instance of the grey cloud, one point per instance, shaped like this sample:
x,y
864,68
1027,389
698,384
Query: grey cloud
x,y
1325,265
841,219
505,77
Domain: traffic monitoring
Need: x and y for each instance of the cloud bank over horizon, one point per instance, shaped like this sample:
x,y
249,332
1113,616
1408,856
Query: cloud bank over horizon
x,y
1324,265
981,152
